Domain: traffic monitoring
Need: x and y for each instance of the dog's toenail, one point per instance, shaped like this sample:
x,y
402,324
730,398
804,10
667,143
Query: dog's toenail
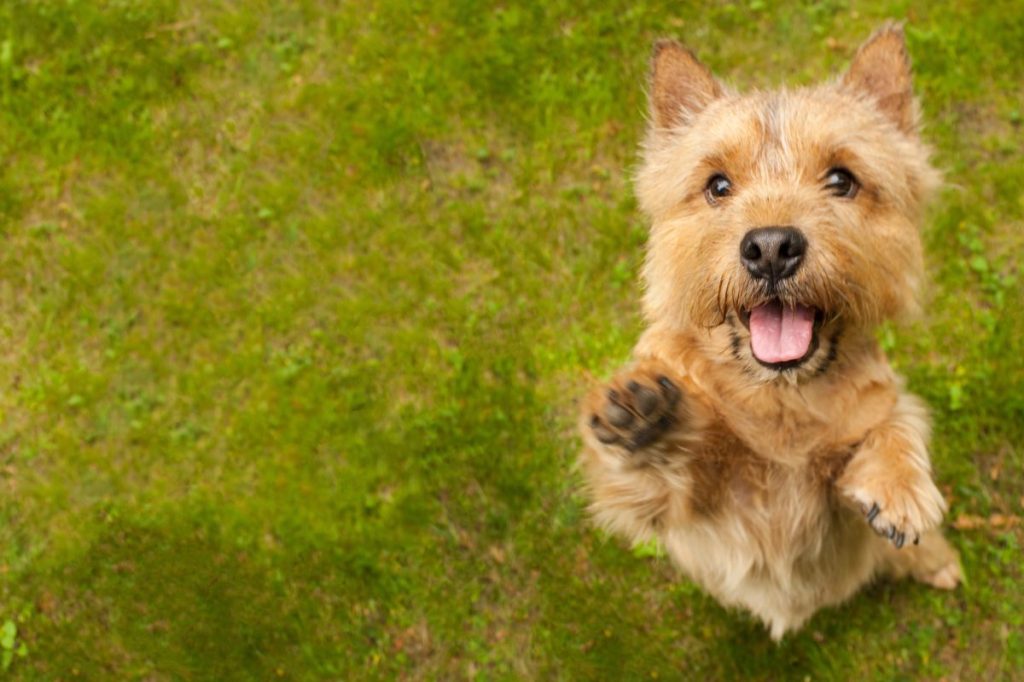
x,y
873,512
594,420
632,386
670,390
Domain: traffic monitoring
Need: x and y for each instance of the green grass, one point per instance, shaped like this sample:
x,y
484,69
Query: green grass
x,y
296,300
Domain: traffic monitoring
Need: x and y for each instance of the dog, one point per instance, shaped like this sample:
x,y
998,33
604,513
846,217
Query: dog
x,y
759,434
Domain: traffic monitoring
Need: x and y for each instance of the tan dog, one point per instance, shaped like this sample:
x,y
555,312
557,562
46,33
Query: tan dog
x,y
760,435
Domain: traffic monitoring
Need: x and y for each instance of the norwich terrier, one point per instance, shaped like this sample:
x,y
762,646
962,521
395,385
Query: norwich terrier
x,y
760,434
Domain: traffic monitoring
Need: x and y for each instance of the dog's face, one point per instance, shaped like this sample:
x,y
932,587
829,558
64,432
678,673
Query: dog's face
x,y
788,217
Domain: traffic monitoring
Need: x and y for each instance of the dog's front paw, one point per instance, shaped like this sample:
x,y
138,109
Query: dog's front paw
x,y
900,508
636,409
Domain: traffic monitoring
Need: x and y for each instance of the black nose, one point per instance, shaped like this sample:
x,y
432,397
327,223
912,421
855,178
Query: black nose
x,y
773,253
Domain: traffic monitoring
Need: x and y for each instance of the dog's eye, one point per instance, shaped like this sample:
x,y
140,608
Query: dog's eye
x,y
841,183
718,186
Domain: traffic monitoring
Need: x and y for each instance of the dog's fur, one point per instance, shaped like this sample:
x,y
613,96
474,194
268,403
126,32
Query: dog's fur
x,y
778,490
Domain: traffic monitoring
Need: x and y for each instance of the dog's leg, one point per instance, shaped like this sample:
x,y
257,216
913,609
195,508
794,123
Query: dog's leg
x,y
636,430
889,479
932,561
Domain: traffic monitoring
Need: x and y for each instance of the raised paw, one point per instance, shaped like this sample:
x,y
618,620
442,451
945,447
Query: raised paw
x,y
636,411
901,513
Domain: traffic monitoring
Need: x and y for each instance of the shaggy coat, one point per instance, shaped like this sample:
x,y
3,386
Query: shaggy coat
x,y
780,487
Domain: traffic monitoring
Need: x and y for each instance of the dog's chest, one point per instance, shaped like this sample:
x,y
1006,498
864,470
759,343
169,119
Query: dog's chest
x,y
768,521
773,507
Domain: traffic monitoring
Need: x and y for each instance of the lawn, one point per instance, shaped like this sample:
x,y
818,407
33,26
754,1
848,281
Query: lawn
x,y
298,299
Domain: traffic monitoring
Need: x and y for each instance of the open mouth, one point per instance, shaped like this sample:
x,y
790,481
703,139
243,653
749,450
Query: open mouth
x,y
782,337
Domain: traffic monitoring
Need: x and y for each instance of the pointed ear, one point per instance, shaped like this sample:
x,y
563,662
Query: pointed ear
x,y
881,69
680,85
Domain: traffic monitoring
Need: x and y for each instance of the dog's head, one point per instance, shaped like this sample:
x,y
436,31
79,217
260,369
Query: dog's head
x,y
789,216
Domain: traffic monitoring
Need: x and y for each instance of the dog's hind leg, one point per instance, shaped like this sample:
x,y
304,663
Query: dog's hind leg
x,y
932,561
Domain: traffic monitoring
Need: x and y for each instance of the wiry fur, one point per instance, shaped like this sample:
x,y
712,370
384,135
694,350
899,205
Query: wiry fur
x,y
756,480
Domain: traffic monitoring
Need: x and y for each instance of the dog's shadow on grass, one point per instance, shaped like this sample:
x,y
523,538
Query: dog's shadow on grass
x,y
173,596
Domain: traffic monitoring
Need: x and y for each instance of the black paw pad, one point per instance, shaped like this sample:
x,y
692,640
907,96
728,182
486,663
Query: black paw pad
x,y
637,415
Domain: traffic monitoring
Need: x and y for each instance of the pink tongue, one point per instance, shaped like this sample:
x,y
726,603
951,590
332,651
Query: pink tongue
x,y
780,334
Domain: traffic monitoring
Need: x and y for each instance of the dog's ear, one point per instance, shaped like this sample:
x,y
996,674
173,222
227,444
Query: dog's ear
x,y
881,69
680,85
